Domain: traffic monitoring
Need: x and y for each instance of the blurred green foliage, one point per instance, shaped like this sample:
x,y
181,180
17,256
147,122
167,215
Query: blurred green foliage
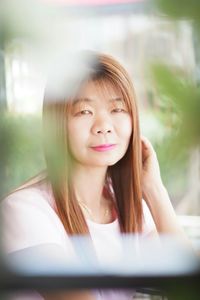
x,y
180,9
178,91
20,151
182,96
179,102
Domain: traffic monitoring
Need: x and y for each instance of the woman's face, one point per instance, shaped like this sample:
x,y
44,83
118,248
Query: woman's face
x,y
99,126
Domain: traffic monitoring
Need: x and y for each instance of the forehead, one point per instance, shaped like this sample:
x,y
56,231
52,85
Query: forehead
x,y
101,88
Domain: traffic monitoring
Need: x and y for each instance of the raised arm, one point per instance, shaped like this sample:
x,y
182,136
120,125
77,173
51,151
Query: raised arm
x,y
155,193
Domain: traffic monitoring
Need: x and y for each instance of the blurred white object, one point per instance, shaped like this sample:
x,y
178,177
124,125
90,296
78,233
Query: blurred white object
x,y
191,226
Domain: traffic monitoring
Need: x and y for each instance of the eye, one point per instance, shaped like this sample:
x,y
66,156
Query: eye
x,y
84,112
118,110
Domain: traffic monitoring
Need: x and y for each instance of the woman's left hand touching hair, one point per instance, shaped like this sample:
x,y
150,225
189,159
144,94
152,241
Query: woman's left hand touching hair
x,y
150,167
155,193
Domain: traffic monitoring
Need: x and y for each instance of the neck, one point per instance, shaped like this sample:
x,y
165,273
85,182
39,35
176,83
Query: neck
x,y
88,184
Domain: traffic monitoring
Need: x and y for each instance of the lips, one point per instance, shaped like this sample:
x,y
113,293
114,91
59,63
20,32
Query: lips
x,y
104,147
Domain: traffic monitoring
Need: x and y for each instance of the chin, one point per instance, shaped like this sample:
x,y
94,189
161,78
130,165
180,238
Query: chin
x,y
107,163
102,161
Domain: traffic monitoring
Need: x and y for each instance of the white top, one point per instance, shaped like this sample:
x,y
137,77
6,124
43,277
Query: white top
x,y
30,219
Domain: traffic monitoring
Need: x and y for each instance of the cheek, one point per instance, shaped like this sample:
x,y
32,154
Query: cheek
x,y
73,135
77,134
126,128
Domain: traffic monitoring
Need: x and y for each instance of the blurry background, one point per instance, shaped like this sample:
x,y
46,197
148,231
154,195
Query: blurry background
x,y
157,42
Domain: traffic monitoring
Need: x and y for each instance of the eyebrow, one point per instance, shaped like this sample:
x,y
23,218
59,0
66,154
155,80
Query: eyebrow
x,y
89,100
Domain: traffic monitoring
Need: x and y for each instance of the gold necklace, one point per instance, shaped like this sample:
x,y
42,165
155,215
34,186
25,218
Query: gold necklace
x,y
89,211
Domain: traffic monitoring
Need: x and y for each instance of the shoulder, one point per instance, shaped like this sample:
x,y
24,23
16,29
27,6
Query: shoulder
x,y
30,194
28,219
27,201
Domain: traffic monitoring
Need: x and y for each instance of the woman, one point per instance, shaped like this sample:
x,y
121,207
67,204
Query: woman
x,y
102,178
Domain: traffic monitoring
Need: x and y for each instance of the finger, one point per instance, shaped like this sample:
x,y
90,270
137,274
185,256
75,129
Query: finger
x,y
146,144
147,149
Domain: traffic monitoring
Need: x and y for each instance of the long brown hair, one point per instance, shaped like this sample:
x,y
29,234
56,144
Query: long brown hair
x,y
125,175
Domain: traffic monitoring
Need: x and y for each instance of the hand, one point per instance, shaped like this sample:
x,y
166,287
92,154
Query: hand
x,y
156,196
150,166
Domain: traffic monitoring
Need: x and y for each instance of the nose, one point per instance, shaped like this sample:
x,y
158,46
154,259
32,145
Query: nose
x,y
102,126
